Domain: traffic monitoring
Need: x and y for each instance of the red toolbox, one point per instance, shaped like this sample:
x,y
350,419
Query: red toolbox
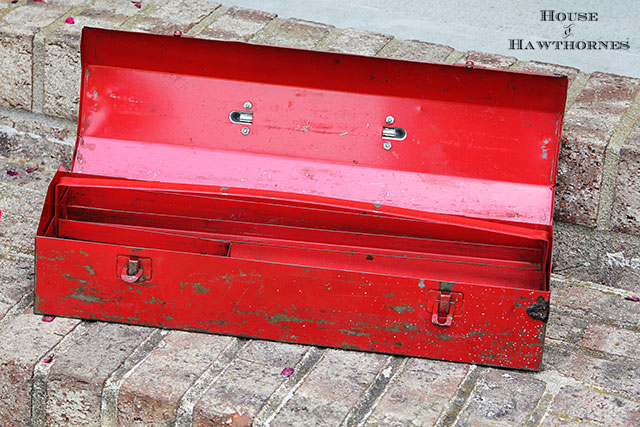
x,y
310,197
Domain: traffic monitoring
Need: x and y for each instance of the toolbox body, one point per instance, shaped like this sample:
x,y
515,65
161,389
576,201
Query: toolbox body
x,y
310,197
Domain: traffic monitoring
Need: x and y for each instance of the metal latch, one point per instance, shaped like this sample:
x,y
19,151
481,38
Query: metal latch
x,y
443,305
132,269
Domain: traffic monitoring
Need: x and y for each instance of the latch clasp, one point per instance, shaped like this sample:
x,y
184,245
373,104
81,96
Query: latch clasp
x,y
443,305
132,269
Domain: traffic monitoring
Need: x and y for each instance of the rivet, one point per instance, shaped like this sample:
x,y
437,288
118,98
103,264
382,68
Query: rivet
x,y
389,120
245,130
387,145
248,105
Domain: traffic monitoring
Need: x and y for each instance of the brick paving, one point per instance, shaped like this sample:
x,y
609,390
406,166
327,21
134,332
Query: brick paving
x,y
72,372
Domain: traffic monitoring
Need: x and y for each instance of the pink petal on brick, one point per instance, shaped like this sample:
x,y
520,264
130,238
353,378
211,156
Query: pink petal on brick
x,y
287,372
48,359
70,20
633,298
33,169
13,173
137,3
46,318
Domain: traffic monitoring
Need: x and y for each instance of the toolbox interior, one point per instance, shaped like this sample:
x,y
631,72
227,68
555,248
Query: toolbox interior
x,y
333,237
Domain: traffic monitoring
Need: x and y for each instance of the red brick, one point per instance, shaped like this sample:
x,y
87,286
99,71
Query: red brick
x,y
77,377
610,339
546,68
17,30
588,406
176,15
36,181
247,383
610,259
16,280
355,41
588,126
294,33
17,234
331,389
419,394
488,60
414,50
625,214
615,374
62,55
25,341
594,305
237,24
501,397
152,392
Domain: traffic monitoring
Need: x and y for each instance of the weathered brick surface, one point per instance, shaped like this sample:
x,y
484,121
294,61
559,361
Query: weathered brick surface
x,y
610,259
419,394
488,60
16,280
62,55
578,404
502,398
546,68
331,389
17,29
588,126
77,377
625,215
355,41
24,342
176,15
237,24
32,150
414,50
617,374
563,326
594,305
248,383
612,340
294,33
18,234
153,391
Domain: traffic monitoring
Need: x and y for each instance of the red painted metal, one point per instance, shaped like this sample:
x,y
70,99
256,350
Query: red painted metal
x,y
310,197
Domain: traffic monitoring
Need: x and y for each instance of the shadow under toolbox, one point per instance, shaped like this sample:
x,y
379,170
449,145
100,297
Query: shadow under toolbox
x,y
310,197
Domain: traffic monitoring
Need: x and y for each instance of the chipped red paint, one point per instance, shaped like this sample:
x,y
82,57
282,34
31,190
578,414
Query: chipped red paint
x,y
306,228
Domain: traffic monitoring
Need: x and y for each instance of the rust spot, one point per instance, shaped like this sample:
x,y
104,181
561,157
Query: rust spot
x,y
280,317
444,337
89,269
219,322
401,308
478,333
446,286
401,327
73,279
349,346
356,333
197,287
81,294
154,300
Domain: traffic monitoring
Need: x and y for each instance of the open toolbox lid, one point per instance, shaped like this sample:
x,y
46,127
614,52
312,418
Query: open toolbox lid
x,y
439,138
